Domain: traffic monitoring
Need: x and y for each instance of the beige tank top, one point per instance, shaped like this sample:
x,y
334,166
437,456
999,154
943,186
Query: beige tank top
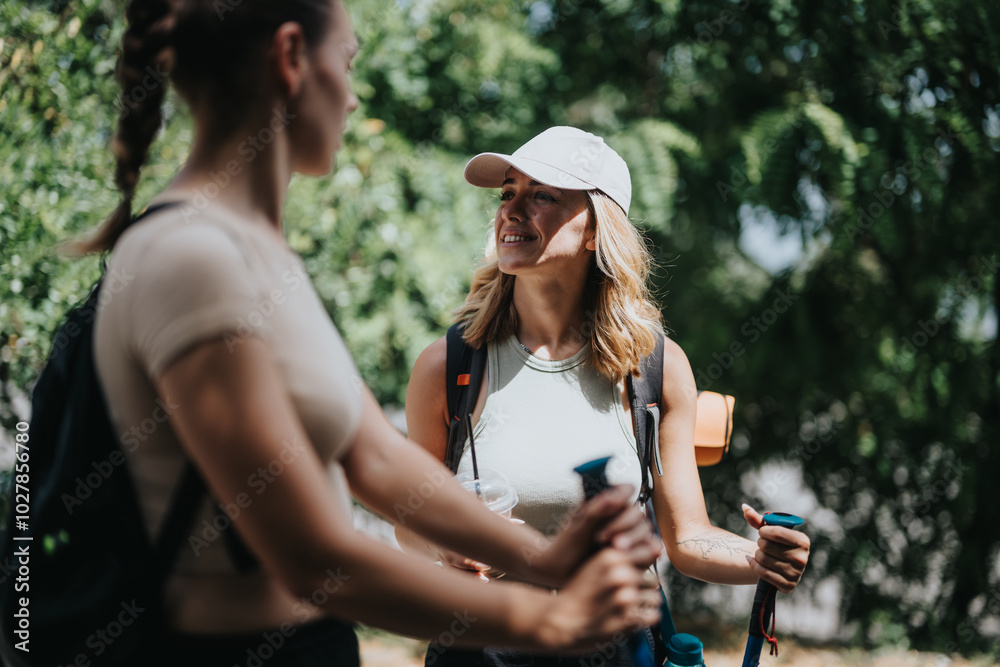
x,y
543,418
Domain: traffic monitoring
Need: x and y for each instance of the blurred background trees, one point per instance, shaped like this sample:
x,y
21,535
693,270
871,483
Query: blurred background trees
x,y
818,182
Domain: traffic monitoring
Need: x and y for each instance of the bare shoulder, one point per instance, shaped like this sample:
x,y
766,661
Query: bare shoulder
x,y
427,399
431,366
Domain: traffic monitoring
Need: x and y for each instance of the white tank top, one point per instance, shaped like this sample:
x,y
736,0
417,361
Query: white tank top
x,y
542,419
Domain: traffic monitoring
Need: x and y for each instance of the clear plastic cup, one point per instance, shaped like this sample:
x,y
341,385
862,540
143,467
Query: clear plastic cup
x,y
493,488
498,495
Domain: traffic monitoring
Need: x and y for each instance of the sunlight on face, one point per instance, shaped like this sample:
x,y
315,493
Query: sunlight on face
x,y
541,227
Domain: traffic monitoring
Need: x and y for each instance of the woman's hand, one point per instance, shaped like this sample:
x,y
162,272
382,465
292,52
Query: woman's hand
x,y
782,553
608,597
460,562
609,519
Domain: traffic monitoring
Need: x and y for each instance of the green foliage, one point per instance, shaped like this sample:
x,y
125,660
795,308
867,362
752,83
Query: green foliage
x,y
391,240
868,131
57,96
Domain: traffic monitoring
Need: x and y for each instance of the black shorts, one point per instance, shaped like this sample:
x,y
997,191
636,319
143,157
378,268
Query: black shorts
x,y
609,655
322,643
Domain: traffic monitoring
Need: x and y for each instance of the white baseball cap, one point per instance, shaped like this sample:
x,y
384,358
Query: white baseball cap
x,y
563,157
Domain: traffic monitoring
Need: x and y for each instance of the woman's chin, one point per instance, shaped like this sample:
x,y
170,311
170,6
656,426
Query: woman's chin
x,y
318,168
510,268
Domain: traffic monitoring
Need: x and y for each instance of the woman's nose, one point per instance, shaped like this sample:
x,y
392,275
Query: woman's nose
x,y
512,211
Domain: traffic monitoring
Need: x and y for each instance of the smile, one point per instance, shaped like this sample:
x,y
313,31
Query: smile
x,y
514,238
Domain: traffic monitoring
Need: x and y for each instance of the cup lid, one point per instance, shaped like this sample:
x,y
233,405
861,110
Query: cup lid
x,y
494,489
684,649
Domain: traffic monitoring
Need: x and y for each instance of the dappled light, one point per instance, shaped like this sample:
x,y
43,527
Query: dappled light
x,y
817,182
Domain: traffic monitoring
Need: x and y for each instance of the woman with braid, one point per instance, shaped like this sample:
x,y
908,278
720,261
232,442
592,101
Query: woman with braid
x,y
562,308
219,335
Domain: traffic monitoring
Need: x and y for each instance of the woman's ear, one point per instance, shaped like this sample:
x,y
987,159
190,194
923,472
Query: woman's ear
x,y
288,50
591,225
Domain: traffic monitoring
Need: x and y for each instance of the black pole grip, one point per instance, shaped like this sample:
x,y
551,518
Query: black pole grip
x,y
594,481
763,599
592,474
763,608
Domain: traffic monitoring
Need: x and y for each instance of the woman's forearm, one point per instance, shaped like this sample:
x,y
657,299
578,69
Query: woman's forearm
x,y
376,585
414,545
404,483
367,581
713,555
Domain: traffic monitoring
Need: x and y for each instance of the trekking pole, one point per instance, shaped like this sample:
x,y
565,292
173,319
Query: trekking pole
x,y
763,601
595,481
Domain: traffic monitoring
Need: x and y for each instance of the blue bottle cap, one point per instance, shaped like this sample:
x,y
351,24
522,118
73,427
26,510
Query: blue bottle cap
x,y
684,649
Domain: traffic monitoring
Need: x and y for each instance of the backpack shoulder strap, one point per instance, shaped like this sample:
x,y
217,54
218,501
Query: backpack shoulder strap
x,y
644,398
189,492
187,498
190,489
465,368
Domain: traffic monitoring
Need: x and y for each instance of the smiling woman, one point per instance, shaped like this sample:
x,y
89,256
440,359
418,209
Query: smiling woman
x,y
538,225
575,231
546,223
563,311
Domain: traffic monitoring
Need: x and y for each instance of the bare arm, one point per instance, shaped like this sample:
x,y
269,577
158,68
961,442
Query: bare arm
x,y
426,425
237,416
694,545
427,400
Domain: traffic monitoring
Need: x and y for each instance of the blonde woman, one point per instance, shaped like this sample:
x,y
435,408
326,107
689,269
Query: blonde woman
x,y
563,310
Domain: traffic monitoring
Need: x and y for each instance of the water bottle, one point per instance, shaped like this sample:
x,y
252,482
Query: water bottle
x,y
684,650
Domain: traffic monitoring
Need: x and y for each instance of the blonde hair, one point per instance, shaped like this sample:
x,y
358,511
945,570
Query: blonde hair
x,y
623,320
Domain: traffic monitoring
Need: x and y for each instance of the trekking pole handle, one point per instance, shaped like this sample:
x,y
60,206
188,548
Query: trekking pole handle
x,y
763,599
593,477
594,481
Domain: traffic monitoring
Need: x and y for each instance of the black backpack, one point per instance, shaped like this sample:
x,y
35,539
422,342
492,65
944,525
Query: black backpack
x,y
465,368
82,579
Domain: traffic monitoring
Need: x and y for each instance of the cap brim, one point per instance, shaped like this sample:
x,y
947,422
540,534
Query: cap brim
x,y
488,170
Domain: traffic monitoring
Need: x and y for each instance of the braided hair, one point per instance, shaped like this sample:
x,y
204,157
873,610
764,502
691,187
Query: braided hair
x,y
209,51
145,49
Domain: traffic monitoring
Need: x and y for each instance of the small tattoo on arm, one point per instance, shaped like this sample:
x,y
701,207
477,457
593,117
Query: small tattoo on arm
x,y
731,545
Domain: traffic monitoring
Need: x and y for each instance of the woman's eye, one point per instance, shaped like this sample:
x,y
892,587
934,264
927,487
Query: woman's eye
x,y
544,196
506,196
